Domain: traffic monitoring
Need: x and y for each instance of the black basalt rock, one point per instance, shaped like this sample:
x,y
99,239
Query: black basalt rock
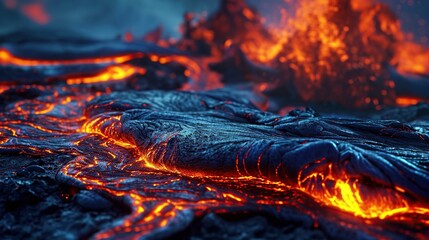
x,y
92,201
207,133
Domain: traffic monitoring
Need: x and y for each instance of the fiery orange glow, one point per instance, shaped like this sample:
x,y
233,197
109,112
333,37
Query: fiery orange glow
x,y
350,195
404,101
111,73
411,58
121,70
101,125
6,58
327,46
346,46
333,38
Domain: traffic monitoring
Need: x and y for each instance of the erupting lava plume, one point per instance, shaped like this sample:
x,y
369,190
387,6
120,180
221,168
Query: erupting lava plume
x,y
173,156
341,53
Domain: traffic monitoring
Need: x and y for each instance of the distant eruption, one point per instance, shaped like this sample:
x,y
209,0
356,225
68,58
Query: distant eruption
x,y
332,51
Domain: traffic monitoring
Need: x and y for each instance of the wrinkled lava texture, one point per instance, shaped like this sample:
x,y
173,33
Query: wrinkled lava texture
x,y
86,159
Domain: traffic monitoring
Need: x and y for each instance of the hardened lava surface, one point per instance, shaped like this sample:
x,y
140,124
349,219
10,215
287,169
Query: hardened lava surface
x,y
185,154
164,163
174,157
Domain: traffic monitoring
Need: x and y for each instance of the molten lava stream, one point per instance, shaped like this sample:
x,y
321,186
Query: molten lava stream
x,y
6,58
117,68
164,201
352,196
111,73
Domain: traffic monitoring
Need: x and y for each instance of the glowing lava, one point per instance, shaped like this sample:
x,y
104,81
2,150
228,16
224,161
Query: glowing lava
x,y
111,73
6,58
339,54
175,156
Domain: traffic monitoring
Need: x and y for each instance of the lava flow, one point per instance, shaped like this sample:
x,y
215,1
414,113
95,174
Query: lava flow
x,y
141,146
135,137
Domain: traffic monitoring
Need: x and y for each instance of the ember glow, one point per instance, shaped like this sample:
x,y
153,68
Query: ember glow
x,y
174,156
36,12
33,10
